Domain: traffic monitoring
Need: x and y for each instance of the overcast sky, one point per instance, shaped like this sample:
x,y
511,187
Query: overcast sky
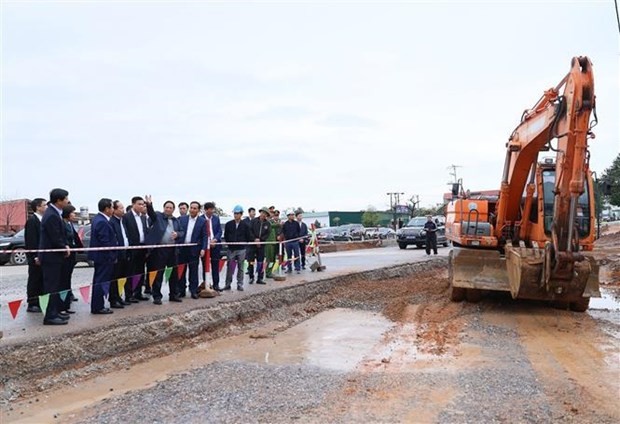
x,y
324,105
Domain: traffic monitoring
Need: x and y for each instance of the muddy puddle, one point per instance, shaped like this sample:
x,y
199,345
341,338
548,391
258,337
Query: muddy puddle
x,y
609,300
336,339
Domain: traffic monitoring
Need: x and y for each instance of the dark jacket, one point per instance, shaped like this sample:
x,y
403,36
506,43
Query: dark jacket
x,y
303,232
431,229
291,230
53,236
116,224
199,234
159,222
32,236
131,227
102,235
259,229
217,227
236,234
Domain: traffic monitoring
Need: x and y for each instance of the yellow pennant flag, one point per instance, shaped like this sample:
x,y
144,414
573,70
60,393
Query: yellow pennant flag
x,y
121,285
152,276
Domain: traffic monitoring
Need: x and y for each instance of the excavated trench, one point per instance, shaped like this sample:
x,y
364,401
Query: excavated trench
x,y
39,365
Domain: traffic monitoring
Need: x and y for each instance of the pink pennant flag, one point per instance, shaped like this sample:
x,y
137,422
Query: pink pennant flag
x,y
85,292
135,281
14,307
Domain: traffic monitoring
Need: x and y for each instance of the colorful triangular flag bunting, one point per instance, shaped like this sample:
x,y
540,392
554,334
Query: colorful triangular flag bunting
x,y
222,263
44,300
180,270
63,295
14,307
85,292
121,285
135,281
167,273
152,276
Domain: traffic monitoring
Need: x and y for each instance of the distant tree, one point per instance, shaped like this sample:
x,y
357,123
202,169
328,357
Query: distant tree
x,y
611,176
8,213
317,224
220,212
370,218
337,221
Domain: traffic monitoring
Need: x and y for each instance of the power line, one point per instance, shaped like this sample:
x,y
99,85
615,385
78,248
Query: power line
x,y
617,16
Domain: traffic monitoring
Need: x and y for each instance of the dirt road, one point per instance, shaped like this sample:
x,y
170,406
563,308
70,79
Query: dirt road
x,y
394,350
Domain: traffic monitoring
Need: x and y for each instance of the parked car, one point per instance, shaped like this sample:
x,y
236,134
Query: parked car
x,y
413,233
380,233
349,232
84,234
16,245
325,234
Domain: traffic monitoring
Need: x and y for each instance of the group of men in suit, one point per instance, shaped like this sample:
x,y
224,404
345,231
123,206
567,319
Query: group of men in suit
x,y
115,227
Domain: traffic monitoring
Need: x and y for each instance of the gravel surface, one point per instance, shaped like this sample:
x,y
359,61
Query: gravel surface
x,y
224,392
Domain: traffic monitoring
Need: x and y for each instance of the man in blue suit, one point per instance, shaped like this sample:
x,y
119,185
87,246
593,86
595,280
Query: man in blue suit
x,y
214,239
165,229
194,227
54,236
102,235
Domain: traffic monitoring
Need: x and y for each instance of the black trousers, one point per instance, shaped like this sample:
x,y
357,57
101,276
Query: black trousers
x,y
121,270
138,262
67,272
52,277
190,272
302,252
431,243
161,258
34,287
255,253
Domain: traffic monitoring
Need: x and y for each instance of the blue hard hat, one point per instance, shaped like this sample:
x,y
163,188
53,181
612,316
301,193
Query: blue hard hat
x,y
238,209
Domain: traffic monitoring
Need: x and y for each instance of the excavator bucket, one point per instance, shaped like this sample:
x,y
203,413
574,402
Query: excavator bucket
x,y
530,276
478,269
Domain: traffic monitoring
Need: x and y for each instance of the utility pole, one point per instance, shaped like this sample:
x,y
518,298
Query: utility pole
x,y
394,196
453,173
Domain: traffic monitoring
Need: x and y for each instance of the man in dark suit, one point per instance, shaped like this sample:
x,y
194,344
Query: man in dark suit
x,y
194,227
213,229
165,229
32,236
237,235
137,228
121,267
303,232
53,236
102,235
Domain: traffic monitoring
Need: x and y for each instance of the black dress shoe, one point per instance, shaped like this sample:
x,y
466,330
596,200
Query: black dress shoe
x,y
34,308
227,288
157,301
68,311
239,288
132,300
117,305
175,299
64,317
55,321
182,294
261,282
141,297
194,296
104,311
251,281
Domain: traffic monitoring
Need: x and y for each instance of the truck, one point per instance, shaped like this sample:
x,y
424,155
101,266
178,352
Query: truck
x,y
533,239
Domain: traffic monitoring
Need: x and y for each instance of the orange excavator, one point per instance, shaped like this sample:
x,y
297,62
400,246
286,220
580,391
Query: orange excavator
x,y
532,239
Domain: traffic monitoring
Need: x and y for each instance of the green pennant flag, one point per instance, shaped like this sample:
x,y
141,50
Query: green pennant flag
x,y
245,266
167,272
63,295
44,299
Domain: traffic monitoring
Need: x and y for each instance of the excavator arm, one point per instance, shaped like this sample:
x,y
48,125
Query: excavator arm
x,y
567,118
